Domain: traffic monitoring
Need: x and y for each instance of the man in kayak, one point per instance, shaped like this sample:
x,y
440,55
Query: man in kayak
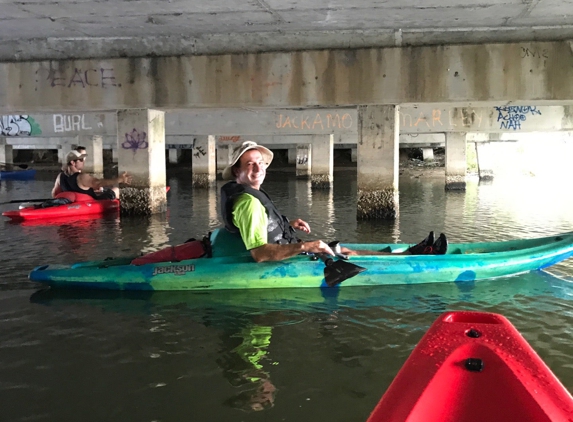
x,y
72,179
249,212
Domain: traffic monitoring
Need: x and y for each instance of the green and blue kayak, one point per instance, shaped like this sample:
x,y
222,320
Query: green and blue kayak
x,y
232,267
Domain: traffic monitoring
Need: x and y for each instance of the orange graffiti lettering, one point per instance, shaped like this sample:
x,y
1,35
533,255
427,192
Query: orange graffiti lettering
x,y
347,117
333,124
436,117
303,122
229,138
317,121
406,116
421,118
287,122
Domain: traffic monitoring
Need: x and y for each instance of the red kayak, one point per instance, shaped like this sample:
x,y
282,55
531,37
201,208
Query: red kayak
x,y
81,205
474,367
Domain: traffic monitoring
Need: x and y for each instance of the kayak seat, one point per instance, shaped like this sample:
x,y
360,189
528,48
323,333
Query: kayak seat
x,y
54,202
74,196
188,250
456,251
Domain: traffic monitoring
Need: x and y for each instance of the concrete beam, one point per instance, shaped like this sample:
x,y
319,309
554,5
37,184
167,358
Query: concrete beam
x,y
232,42
232,125
520,73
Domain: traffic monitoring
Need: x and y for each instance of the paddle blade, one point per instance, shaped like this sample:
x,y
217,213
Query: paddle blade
x,y
336,272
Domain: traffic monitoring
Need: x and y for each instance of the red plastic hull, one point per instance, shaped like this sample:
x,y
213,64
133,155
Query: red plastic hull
x,y
437,383
83,205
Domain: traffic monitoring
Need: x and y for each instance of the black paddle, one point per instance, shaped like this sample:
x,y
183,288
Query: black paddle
x,y
335,272
16,201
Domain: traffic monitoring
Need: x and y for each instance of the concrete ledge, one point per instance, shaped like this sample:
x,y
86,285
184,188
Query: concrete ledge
x,y
14,50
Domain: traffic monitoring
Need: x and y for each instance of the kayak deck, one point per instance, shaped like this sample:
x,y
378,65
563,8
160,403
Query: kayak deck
x,y
231,267
470,367
85,207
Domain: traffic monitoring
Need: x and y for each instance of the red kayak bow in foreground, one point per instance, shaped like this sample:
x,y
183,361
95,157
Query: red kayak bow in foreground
x,y
474,367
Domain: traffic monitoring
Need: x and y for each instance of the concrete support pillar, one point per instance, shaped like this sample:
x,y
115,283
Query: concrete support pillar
x,y
377,179
174,155
204,161
353,154
303,161
485,160
224,156
293,155
65,146
456,165
141,151
114,155
6,154
322,163
94,149
428,154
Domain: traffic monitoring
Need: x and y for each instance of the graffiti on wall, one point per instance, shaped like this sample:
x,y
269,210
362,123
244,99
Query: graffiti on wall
x,y
510,117
302,159
464,117
534,53
19,125
199,152
225,138
95,78
69,123
135,140
330,121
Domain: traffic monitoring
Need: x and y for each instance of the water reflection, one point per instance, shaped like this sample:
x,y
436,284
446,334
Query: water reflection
x,y
320,352
205,209
260,334
322,208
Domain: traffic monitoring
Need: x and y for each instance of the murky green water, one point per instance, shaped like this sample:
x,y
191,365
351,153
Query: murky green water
x,y
301,354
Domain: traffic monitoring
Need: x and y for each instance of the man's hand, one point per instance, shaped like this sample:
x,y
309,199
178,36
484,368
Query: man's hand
x,y
317,246
124,178
300,225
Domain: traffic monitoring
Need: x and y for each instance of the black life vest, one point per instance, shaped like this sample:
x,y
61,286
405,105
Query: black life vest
x,y
70,184
278,228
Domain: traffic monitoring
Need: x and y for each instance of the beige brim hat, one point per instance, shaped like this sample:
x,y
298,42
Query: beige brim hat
x,y
74,155
247,145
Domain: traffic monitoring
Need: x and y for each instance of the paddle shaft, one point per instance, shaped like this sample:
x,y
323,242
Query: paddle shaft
x,y
22,166
16,201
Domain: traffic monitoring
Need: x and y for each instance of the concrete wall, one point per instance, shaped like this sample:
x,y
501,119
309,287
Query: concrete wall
x,y
231,124
522,73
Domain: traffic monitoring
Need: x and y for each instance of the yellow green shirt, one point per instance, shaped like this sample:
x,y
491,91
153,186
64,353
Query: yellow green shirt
x,y
250,217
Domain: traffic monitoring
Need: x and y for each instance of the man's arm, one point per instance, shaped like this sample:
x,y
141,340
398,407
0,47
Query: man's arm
x,y
272,252
56,189
86,181
250,216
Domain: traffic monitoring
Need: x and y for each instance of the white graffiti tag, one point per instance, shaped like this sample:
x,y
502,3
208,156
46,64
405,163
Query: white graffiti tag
x,y
70,123
15,125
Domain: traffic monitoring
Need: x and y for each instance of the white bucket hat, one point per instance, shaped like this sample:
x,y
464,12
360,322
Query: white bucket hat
x,y
247,145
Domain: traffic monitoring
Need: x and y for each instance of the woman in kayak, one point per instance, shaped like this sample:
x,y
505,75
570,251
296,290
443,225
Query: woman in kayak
x,y
249,212
71,178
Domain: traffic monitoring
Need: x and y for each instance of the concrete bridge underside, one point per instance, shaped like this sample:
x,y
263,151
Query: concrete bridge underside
x,y
457,74
80,29
377,80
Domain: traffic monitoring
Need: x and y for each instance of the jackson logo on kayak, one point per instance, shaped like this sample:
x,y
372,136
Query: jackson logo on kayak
x,y
175,269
